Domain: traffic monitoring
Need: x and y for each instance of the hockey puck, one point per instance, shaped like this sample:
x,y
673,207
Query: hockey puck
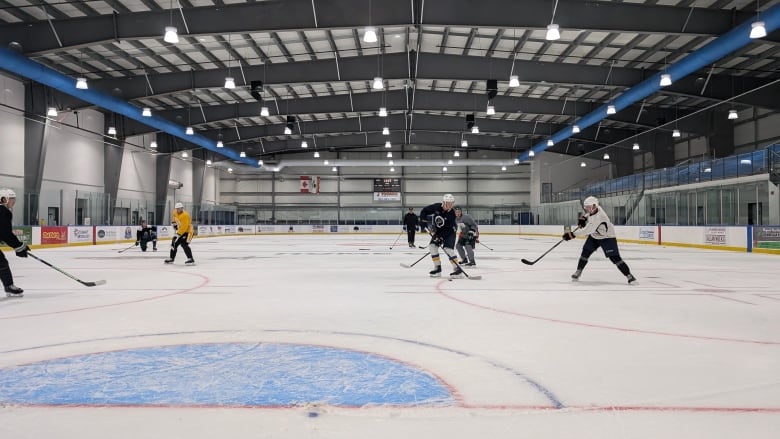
x,y
313,414
449,280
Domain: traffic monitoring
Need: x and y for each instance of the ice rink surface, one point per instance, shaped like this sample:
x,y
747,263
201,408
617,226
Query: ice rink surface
x,y
327,336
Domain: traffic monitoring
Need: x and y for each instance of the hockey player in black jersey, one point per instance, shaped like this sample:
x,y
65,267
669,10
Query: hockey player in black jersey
x,y
145,235
439,221
7,201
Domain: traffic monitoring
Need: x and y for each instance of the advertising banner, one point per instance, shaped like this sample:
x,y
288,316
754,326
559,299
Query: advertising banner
x,y
165,232
54,235
266,229
23,233
647,233
79,234
715,235
766,237
107,233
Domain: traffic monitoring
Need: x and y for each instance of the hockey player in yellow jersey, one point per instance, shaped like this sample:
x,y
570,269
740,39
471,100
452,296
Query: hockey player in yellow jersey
x,y
182,224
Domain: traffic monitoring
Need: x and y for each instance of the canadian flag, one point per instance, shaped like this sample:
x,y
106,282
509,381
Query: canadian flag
x,y
310,185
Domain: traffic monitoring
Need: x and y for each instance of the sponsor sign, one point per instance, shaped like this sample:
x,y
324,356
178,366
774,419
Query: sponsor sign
x,y
766,237
647,233
245,229
23,233
54,235
165,232
80,234
106,233
318,228
715,235
266,229
334,229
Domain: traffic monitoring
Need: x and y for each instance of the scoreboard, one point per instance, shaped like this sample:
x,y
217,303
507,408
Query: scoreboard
x,y
387,189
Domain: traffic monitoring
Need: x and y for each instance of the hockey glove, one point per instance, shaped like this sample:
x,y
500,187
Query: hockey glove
x,y
21,251
472,234
437,240
189,237
175,226
582,221
567,236
137,242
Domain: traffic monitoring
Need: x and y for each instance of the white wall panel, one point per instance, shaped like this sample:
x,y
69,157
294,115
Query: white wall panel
x,y
12,133
137,177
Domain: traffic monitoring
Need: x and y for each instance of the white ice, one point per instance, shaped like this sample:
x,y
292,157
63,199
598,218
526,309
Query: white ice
x,y
692,351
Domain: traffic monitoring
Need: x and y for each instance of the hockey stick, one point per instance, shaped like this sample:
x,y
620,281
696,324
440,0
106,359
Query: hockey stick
x,y
476,277
396,239
126,249
87,284
527,262
415,262
486,247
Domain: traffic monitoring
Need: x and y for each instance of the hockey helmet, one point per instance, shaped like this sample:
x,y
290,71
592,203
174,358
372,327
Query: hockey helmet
x,y
448,198
590,201
178,206
457,209
6,194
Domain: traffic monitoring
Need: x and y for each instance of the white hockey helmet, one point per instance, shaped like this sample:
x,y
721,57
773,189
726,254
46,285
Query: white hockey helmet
x,y
590,201
448,198
6,194
178,206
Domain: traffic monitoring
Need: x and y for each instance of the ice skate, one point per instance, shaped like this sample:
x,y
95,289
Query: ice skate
x,y
189,261
457,274
169,261
576,276
13,291
436,272
154,249
470,264
631,279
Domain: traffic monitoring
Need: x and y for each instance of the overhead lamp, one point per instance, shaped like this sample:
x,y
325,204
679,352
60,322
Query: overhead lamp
x,y
230,170
220,144
733,114
503,168
491,110
264,111
171,35
531,153
390,162
745,162
583,164
475,130
208,162
146,112
553,32
230,83
111,131
444,168
392,169
666,80
517,161
514,81
369,35
153,145
389,154
52,112
388,144
757,29
606,156
378,83
575,129
183,154
611,109
707,170
464,143
334,169
189,131
243,154
635,147
304,144
550,142
449,162
382,111
316,154
287,130
385,131
676,133
456,153
81,83
325,162
259,163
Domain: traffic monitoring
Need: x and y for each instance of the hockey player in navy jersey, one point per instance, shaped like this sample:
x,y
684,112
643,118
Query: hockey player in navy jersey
x,y
601,233
7,201
438,220
146,234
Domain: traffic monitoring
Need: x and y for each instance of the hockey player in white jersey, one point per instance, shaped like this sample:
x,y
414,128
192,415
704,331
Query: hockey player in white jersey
x,y
601,233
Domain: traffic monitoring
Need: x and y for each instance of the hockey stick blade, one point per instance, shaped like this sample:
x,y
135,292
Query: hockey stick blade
x,y
405,265
527,262
93,284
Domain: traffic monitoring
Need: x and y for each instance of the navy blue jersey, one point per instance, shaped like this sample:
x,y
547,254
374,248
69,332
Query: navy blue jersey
x,y
437,221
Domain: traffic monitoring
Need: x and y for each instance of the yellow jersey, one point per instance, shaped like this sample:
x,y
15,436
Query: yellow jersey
x,y
183,223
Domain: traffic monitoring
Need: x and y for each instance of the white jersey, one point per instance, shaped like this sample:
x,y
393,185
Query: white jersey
x,y
599,226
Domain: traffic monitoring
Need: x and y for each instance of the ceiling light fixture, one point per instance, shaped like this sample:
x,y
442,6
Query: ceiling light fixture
x,y
464,143
112,131
444,168
378,83
758,27
382,111
666,80
51,112
316,154
81,83
220,144
385,131
553,32
583,164
389,154
531,153
334,169
264,111
456,153
503,168
388,144
183,154
189,131
208,162
369,35
550,142
676,133
475,130
153,145
243,154
392,169
491,110
575,129
611,109
171,35
733,114
146,112
635,147
606,156
304,144
514,81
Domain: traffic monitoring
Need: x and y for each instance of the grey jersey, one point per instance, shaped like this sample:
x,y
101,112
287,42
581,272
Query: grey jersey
x,y
599,226
466,223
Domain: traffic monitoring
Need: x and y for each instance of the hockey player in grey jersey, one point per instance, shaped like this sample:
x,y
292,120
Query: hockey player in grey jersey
x,y
601,233
468,236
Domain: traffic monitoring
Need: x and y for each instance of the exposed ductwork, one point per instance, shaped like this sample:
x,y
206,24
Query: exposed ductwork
x,y
27,68
278,166
708,54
